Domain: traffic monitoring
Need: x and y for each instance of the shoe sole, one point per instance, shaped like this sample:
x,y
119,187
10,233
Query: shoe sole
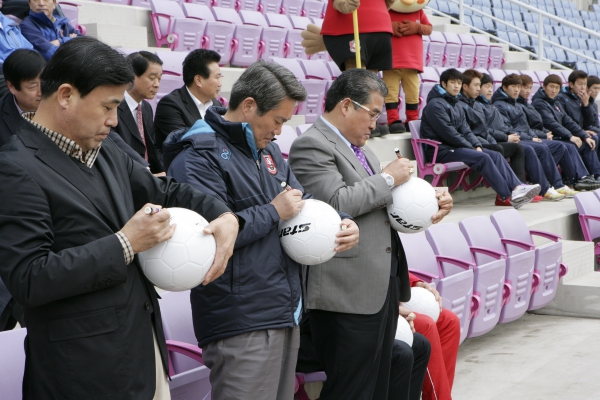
x,y
559,199
527,197
586,187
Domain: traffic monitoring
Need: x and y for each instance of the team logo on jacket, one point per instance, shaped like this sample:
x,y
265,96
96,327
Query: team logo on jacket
x,y
352,46
271,167
225,154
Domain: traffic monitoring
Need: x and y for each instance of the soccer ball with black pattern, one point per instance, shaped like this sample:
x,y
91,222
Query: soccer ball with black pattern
x,y
413,206
180,263
309,236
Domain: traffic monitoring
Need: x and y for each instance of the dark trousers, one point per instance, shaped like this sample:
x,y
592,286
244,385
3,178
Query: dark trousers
x,y
569,160
409,366
356,350
589,157
490,164
542,161
518,160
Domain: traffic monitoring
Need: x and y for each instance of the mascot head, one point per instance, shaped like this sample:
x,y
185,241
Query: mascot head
x,y
409,6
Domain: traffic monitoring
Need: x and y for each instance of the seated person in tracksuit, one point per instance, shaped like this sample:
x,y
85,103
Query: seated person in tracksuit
x,y
555,119
593,87
575,101
491,130
445,122
504,102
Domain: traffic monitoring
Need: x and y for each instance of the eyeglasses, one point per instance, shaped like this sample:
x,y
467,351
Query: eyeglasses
x,y
374,115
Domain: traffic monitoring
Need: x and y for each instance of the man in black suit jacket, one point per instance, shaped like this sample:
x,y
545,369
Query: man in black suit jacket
x,y
184,106
70,230
147,68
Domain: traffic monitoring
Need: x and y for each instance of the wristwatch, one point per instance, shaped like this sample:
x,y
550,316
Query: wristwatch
x,y
388,179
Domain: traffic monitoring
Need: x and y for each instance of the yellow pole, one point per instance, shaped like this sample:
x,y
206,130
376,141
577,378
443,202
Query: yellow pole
x,y
356,38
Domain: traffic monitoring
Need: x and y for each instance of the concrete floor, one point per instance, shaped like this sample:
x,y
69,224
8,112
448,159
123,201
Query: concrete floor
x,y
537,357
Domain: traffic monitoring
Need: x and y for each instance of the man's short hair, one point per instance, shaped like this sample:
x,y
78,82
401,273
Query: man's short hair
x,y
22,65
356,84
577,74
485,79
85,63
140,61
511,79
451,74
268,84
469,75
553,78
592,80
196,63
526,80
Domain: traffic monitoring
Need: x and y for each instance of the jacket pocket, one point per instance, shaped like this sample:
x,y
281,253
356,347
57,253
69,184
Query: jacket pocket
x,y
83,325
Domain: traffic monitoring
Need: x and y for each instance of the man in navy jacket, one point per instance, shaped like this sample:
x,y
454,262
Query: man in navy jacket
x,y
247,321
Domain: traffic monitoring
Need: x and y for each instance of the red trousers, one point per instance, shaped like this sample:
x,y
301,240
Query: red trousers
x,y
444,336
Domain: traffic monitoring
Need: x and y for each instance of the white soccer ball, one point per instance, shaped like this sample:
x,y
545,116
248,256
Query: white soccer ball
x,y
413,206
309,236
423,302
403,331
180,263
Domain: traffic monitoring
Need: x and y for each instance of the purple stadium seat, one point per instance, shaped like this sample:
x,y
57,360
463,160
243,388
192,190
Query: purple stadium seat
x,y
425,49
482,52
467,51
198,11
437,46
141,3
12,366
233,4
172,62
497,75
439,171
548,267
249,37
536,82
189,376
270,6
300,129
294,37
302,379
292,7
480,232
248,5
121,2
452,52
588,207
455,287
318,80
171,27
496,58
221,33
71,12
274,36
207,3
333,69
314,9
285,140
541,76
429,78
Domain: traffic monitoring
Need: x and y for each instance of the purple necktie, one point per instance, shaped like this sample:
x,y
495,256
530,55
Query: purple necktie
x,y
361,157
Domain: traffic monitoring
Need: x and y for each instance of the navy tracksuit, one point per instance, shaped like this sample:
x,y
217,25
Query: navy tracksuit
x,y
563,128
581,115
444,122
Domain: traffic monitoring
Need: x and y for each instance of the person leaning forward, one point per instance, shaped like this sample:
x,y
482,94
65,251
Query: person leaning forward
x,y
70,232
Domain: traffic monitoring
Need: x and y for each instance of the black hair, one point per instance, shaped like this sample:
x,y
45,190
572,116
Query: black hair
x,y
356,84
22,65
593,80
577,74
451,74
85,63
140,61
486,78
196,63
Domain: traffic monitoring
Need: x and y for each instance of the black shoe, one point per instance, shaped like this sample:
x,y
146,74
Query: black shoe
x,y
376,132
587,183
397,127
383,130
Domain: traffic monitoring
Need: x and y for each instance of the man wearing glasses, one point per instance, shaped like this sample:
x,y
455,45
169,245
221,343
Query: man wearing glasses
x,y
352,300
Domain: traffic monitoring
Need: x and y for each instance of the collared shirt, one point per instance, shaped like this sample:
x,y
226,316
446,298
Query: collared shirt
x,y
72,149
336,130
132,104
202,107
17,104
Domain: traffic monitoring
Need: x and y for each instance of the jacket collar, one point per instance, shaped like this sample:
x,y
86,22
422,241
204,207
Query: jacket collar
x,y
189,103
127,117
239,134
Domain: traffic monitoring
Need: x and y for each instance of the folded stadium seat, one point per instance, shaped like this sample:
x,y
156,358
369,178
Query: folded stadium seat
x,y
172,62
444,7
294,37
324,55
482,51
565,76
596,8
270,6
550,53
319,76
437,46
425,49
597,54
561,31
497,75
452,51
477,22
531,27
548,30
561,12
488,278
588,15
292,7
467,50
12,364
499,13
455,287
285,140
497,4
220,33
274,36
141,3
588,207
454,9
528,16
548,266
480,232
518,24
236,5
524,40
314,9
333,68
536,81
541,75
581,43
315,88
496,58
121,2
488,24
514,15
511,71
189,375
71,12
248,5
249,38
171,27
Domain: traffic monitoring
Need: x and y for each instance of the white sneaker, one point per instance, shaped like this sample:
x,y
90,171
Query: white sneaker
x,y
552,195
523,194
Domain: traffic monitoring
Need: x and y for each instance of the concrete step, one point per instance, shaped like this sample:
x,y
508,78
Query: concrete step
x,y
516,56
229,76
533,65
437,21
452,28
114,35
